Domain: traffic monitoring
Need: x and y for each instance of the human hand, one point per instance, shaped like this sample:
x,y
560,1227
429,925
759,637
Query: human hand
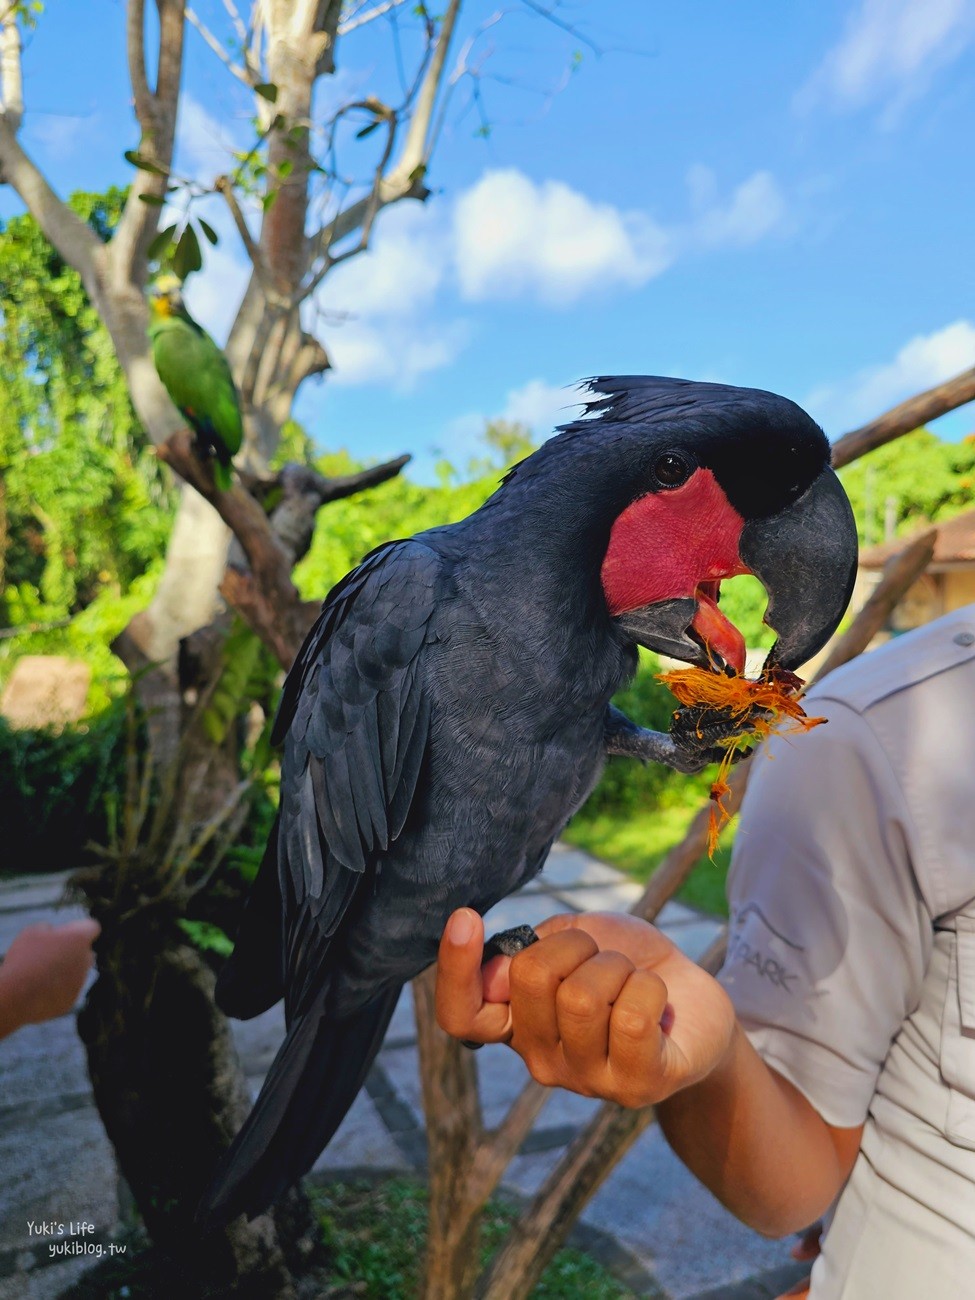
x,y
604,1005
43,972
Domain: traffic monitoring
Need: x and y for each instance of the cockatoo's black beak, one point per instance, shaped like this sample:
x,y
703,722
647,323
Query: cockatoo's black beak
x,y
806,558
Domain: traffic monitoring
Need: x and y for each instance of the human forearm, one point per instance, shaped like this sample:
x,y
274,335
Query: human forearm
x,y
43,972
10,1019
755,1141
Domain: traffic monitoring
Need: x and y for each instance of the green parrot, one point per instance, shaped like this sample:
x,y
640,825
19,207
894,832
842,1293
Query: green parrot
x,y
196,376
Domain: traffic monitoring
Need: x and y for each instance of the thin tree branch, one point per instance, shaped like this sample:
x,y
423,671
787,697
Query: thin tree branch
x,y
73,238
243,74
156,114
372,206
360,19
233,13
900,572
135,48
415,150
239,510
906,417
550,15
500,1146
11,71
265,596
405,180
303,493
223,185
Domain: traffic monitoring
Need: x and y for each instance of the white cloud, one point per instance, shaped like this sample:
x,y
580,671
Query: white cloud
x,y
507,236
537,403
398,274
889,52
383,328
541,406
394,352
56,135
925,360
756,208
513,237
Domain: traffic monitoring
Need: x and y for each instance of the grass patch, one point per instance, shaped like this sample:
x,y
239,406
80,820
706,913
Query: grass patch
x,y
636,841
376,1235
373,1239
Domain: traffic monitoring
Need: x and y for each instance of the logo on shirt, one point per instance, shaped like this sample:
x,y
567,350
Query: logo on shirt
x,y
767,966
753,909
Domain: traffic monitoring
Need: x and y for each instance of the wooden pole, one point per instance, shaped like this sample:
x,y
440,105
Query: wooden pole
x,y
905,418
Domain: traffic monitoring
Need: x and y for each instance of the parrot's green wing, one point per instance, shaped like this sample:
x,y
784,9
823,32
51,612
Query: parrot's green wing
x,y
195,374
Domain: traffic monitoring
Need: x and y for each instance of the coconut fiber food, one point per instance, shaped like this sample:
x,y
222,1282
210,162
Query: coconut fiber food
x,y
746,710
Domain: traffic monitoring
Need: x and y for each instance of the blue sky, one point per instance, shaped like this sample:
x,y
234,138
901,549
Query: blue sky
x,y
772,195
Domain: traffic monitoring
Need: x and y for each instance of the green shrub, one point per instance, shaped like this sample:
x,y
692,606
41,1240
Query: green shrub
x,y
53,787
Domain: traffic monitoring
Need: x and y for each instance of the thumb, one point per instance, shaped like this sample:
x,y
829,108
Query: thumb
x,y
86,928
461,1009
459,994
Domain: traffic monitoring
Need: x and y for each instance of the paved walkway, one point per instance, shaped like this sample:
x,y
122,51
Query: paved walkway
x,y
651,1222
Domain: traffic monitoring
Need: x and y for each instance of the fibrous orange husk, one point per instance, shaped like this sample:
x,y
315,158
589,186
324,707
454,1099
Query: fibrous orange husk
x,y
752,708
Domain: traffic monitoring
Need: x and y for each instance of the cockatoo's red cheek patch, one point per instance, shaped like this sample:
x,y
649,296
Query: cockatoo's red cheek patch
x,y
666,543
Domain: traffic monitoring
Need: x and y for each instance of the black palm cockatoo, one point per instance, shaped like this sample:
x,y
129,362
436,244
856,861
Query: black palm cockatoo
x,y
450,709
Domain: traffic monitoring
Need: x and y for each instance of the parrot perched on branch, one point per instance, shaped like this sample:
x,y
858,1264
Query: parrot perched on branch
x,y
450,710
196,376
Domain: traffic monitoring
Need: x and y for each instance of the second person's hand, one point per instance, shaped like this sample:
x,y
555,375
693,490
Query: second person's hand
x,y
604,1005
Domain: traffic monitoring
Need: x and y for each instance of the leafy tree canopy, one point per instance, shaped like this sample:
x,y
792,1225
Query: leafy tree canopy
x,y
84,506
916,480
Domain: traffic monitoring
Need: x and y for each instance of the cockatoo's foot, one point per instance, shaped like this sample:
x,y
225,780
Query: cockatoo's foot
x,y
509,943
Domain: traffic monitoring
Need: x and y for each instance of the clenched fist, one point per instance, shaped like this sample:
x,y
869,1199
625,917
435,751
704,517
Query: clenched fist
x,y
604,1005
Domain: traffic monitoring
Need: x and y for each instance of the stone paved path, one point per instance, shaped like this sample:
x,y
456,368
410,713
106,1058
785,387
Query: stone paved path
x,y
651,1222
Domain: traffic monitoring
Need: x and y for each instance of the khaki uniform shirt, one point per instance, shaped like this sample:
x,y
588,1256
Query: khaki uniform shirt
x,y
851,958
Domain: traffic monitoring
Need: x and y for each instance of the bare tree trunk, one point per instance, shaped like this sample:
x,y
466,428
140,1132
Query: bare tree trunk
x,y
450,1091
171,1096
188,593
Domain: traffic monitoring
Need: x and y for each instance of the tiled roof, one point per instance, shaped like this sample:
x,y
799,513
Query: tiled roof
x,y
955,544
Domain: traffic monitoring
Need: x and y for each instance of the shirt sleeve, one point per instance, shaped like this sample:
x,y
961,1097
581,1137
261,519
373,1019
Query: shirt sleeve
x,y
828,940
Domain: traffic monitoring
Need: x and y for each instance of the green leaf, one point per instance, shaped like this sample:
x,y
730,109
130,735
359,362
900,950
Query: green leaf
x,y
267,90
206,936
151,200
209,231
267,202
285,168
367,130
143,163
187,257
161,242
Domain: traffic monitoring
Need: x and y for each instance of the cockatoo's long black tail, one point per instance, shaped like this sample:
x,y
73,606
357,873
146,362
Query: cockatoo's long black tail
x,y
312,1082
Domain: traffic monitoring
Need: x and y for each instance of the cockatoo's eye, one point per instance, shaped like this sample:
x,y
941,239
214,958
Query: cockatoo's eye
x,y
672,469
